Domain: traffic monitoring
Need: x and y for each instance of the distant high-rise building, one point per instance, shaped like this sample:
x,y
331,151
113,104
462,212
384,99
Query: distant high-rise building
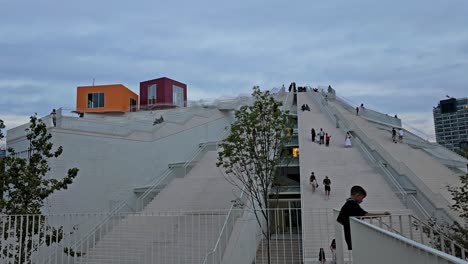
x,y
451,123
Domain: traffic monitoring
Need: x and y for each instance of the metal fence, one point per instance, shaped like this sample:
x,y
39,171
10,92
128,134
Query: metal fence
x,y
172,237
427,202
388,247
214,236
413,228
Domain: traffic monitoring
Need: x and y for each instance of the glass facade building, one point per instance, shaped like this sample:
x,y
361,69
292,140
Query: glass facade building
x,y
451,123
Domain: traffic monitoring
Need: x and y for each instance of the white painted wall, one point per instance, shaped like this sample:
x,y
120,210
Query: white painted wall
x,y
111,166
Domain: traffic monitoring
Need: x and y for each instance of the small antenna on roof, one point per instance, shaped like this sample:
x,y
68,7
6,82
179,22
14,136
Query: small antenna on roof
x,y
93,81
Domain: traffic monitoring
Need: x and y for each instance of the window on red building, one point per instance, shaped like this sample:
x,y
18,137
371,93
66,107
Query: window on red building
x,y
152,94
177,96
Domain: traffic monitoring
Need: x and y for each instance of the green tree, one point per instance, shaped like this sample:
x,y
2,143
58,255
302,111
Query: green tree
x,y
2,166
250,155
24,188
2,126
460,195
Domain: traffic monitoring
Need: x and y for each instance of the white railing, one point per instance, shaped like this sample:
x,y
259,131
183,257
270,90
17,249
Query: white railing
x,y
168,176
216,255
413,228
393,247
164,237
369,113
429,201
247,243
169,237
154,187
115,216
211,236
337,117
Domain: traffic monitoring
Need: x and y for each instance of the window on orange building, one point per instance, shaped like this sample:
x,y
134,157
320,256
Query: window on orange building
x,y
95,100
133,106
152,94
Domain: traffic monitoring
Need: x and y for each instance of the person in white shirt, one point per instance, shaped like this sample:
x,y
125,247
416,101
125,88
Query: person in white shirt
x,y
400,135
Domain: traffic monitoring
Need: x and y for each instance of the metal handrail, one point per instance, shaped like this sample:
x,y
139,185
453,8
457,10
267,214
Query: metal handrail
x,y
413,244
402,169
327,108
139,201
167,173
414,221
122,205
222,229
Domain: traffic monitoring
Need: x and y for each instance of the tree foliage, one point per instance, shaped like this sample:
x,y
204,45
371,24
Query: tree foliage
x,y
2,126
458,231
251,153
24,188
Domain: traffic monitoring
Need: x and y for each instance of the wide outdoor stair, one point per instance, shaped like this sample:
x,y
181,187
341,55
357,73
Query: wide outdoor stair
x,y
181,225
345,167
284,251
158,239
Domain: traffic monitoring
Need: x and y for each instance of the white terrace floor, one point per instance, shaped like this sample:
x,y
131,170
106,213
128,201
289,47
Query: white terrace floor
x,y
345,167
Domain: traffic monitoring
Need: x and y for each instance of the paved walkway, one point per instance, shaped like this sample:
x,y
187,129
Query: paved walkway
x,y
345,167
434,174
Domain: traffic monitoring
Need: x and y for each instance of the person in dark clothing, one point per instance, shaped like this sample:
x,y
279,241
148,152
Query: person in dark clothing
x,y
322,258
352,208
394,135
312,131
307,107
303,107
327,139
313,181
333,250
357,110
54,117
327,184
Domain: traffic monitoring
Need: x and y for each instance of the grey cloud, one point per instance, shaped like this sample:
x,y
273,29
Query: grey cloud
x,y
228,47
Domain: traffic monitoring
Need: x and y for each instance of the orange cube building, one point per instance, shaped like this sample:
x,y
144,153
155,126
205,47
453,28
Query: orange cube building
x,y
105,99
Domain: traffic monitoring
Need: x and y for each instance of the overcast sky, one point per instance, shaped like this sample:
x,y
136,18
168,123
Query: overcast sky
x,y
399,57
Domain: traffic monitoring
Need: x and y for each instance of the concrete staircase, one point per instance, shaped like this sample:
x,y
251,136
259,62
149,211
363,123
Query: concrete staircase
x,y
158,239
345,167
284,251
184,235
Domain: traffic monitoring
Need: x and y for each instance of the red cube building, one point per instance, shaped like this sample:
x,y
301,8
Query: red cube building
x,y
162,93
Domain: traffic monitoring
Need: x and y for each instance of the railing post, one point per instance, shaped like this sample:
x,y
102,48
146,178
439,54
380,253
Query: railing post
x,y
442,243
401,224
410,227
338,239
